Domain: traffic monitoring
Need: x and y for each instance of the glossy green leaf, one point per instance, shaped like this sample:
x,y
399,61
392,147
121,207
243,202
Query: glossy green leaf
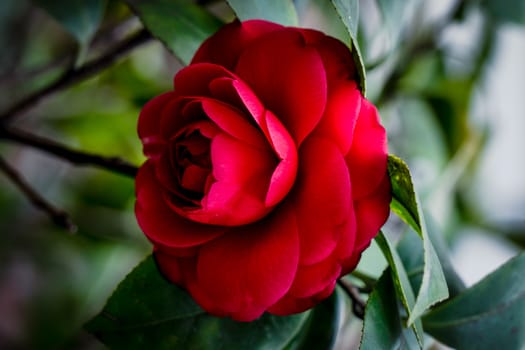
x,y
489,315
405,204
402,284
383,326
147,312
278,11
349,13
181,25
80,18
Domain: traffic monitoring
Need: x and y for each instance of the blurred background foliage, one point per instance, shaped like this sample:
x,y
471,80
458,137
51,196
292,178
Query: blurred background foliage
x,y
447,76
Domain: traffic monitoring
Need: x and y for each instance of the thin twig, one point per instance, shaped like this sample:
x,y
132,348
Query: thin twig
x,y
73,76
358,304
75,157
59,217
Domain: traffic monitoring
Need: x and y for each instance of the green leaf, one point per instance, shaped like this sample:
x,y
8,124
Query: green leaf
x,y
405,204
146,311
349,13
402,284
383,326
489,315
278,11
181,25
411,253
80,18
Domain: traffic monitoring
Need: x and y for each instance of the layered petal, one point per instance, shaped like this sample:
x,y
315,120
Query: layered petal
x,y
321,197
288,77
249,268
340,117
367,158
149,124
159,222
336,57
371,213
225,47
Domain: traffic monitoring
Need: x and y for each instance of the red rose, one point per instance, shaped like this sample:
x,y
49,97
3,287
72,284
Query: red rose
x,y
266,173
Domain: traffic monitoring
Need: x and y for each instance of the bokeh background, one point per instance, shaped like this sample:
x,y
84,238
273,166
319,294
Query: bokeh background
x,y
447,76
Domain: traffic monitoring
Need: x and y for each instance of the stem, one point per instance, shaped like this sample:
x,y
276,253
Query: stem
x,y
358,304
58,216
73,76
75,157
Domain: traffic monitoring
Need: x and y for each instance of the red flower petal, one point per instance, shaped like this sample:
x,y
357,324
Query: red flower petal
x,y
290,304
313,279
149,123
371,213
340,117
160,224
284,175
250,267
322,196
233,122
225,46
367,159
194,80
336,56
289,78
242,174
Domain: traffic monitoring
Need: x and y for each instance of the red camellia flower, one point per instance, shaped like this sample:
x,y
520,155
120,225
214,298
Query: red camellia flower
x,y
266,173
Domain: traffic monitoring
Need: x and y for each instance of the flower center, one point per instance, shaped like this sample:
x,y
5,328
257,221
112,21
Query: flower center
x,y
191,165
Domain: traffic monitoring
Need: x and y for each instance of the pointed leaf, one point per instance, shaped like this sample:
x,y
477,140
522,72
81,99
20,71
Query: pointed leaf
x,y
489,315
147,312
405,204
80,18
278,11
383,324
402,284
411,253
181,25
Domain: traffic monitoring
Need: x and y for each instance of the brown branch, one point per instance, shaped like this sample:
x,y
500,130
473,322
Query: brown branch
x,y
73,76
59,217
75,157
358,304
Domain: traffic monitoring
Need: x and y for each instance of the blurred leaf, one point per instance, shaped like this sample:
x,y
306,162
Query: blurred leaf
x,y
507,11
279,11
404,203
181,25
383,326
80,18
488,315
394,13
146,311
349,13
401,282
